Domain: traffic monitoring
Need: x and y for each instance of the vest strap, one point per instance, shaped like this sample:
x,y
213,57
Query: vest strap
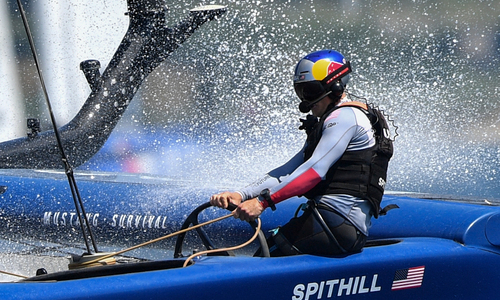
x,y
387,208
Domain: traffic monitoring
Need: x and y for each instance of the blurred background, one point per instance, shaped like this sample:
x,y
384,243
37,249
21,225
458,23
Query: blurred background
x,y
221,108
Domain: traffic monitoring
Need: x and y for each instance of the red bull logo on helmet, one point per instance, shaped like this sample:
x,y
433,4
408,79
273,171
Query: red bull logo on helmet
x,y
323,67
318,65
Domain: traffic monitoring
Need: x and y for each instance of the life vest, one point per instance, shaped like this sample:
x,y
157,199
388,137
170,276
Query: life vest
x,y
361,173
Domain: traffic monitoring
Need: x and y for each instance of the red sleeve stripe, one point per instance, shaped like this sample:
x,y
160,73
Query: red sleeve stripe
x,y
298,186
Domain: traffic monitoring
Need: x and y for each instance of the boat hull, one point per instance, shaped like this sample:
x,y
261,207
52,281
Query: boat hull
x,y
451,271
424,249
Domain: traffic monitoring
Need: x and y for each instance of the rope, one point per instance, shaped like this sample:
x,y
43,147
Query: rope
x,y
12,274
226,249
157,240
90,262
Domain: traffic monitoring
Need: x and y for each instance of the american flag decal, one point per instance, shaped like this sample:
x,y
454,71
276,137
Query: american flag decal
x,y
408,278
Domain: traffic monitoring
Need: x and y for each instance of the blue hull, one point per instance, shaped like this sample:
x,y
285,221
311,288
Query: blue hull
x,y
451,271
425,249
123,209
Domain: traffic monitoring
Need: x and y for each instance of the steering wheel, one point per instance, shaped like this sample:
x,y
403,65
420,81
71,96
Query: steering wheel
x,y
192,219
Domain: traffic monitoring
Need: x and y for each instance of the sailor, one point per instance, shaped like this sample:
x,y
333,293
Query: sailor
x,y
332,169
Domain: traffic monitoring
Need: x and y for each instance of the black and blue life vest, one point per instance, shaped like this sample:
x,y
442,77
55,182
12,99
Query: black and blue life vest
x,y
361,173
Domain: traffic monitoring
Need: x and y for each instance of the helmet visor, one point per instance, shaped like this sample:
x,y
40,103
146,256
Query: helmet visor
x,y
309,90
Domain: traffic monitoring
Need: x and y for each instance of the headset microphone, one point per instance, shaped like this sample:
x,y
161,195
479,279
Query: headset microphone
x,y
304,107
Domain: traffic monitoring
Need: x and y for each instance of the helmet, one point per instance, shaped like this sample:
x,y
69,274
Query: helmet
x,y
321,73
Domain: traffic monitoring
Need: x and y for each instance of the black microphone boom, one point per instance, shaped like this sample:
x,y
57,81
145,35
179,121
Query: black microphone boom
x,y
304,107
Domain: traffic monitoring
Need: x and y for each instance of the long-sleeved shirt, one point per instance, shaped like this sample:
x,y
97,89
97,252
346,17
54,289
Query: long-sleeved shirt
x,y
344,129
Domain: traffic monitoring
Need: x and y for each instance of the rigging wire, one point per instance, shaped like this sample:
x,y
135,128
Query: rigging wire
x,y
68,169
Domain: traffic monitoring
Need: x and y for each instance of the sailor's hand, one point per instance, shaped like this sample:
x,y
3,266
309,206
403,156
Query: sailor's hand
x,y
222,199
248,210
